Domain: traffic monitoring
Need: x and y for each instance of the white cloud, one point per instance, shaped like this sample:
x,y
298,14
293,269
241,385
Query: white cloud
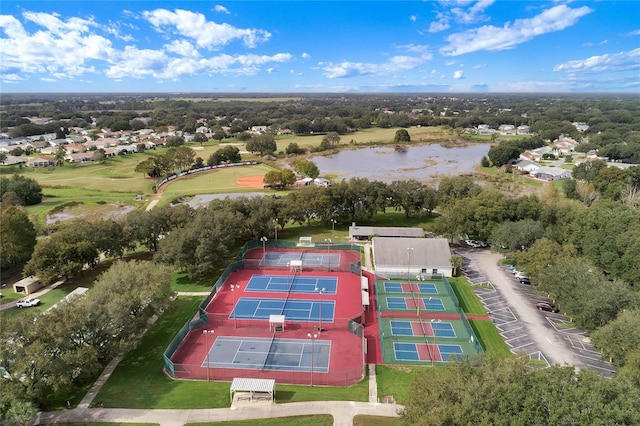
x,y
207,34
182,48
356,69
305,55
472,14
415,48
221,9
622,61
61,47
413,18
633,33
458,74
510,35
11,78
441,23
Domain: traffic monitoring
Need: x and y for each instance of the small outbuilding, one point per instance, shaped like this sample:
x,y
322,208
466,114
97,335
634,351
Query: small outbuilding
x,y
412,257
28,285
363,233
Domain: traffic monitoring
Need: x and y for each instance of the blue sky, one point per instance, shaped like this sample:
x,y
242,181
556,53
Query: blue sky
x,y
354,46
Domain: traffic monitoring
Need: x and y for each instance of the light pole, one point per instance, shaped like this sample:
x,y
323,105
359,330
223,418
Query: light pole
x,y
264,247
276,228
313,338
434,323
328,241
206,338
409,251
333,228
320,290
233,294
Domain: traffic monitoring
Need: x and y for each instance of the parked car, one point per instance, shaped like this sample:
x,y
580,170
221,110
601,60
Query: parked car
x,y
27,303
525,280
519,274
476,244
547,306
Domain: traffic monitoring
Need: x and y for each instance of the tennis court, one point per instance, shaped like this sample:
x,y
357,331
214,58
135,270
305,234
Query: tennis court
x,y
405,287
414,303
293,310
269,354
423,352
292,284
278,258
422,328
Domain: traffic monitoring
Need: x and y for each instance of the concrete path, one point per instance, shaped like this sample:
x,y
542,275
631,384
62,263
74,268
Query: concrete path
x,y
342,412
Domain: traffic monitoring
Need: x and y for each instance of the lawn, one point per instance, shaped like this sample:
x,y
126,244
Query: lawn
x,y
139,382
311,420
489,337
363,420
467,298
395,380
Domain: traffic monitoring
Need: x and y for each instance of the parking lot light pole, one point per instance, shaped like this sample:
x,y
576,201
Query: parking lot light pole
x,y
320,290
233,294
409,251
328,241
313,338
276,229
264,247
434,323
206,339
333,228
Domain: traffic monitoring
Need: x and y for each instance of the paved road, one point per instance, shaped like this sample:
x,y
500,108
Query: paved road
x,y
342,412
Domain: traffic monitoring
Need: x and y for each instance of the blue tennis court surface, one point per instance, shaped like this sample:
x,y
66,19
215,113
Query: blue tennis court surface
x,y
276,258
424,328
293,284
398,287
269,354
293,310
424,352
409,303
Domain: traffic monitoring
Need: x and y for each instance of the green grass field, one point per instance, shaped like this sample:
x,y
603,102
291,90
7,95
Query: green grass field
x,y
311,420
468,300
395,380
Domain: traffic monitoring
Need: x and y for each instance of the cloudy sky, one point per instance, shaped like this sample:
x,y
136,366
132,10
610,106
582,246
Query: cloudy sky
x,y
320,46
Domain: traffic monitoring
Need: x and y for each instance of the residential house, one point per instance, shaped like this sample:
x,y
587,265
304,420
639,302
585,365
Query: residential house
x,y
536,154
551,173
581,126
73,148
41,162
258,130
523,130
526,165
484,129
507,129
322,182
81,157
563,146
12,160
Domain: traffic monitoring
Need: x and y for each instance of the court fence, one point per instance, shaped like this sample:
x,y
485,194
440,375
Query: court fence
x,y
468,341
203,319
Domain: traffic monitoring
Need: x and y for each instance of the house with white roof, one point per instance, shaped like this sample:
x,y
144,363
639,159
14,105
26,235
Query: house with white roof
x,y
551,173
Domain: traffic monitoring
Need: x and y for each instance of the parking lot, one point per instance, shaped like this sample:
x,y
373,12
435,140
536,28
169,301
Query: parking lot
x,y
536,334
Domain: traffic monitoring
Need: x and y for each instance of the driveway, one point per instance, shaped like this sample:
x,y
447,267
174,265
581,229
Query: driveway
x,y
511,306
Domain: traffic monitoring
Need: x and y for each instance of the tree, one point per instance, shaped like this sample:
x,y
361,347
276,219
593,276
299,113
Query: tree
x,y
27,190
410,195
98,155
307,168
227,154
182,157
173,141
620,337
456,261
262,144
518,235
294,149
501,154
18,236
201,138
60,154
402,136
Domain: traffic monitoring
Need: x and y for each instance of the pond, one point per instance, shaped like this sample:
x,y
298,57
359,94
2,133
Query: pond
x,y
204,199
423,163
